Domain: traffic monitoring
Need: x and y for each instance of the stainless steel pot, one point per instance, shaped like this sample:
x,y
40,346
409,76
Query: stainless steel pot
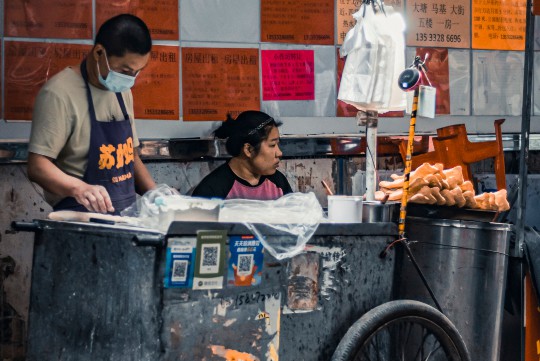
x,y
375,211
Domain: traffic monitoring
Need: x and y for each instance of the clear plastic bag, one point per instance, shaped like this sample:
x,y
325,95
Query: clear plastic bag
x,y
146,211
284,225
375,50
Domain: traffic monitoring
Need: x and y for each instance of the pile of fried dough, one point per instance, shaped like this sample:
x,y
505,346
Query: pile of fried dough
x,y
432,184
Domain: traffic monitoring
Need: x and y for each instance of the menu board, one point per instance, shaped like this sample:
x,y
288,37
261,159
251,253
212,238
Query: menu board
x,y
499,24
297,22
156,92
161,16
217,82
70,19
28,66
438,74
288,74
438,23
345,11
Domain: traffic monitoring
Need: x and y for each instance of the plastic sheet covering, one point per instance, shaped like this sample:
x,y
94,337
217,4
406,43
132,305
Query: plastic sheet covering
x,y
160,207
296,216
375,50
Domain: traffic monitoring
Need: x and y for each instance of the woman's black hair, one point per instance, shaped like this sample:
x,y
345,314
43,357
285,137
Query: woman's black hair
x,y
251,126
124,33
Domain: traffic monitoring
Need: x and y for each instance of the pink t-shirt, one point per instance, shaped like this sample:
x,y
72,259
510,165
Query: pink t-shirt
x,y
266,191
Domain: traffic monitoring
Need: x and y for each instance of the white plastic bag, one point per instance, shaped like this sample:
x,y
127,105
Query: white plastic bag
x,y
375,50
284,225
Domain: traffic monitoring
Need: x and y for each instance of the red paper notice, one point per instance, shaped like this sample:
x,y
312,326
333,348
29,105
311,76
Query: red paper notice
x,y
70,19
217,82
28,66
288,74
156,92
160,16
297,22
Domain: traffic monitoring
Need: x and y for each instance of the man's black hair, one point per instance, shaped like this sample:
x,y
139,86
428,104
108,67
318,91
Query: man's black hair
x,y
124,33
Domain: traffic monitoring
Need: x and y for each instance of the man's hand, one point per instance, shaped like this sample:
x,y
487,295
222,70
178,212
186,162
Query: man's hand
x,y
94,198
44,172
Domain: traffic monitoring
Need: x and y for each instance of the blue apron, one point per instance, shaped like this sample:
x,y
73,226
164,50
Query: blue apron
x,y
110,157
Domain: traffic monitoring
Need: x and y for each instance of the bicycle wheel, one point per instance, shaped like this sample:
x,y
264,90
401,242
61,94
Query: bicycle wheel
x,y
402,330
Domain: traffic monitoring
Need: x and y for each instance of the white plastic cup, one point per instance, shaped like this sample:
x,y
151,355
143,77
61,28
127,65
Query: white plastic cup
x,y
345,209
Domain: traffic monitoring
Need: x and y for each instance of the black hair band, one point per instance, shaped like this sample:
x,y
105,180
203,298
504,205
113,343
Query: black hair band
x,y
260,126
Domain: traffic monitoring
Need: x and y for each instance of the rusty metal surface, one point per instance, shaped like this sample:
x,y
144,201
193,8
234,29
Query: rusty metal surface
x,y
291,314
95,296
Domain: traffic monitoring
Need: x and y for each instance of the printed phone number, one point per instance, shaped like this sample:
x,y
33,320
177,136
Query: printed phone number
x,y
438,37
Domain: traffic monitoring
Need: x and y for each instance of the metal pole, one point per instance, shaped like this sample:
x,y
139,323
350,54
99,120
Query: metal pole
x,y
524,153
371,154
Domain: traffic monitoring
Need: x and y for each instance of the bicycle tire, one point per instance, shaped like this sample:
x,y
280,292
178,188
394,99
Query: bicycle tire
x,y
390,316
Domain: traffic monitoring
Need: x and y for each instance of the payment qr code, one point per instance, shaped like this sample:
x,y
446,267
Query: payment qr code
x,y
179,271
245,264
210,258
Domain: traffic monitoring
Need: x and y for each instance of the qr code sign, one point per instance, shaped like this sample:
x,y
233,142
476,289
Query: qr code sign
x,y
210,258
245,264
179,271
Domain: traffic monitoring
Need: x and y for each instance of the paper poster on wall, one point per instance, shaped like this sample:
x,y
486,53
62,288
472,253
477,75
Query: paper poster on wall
x,y
498,24
438,74
324,104
438,23
245,261
288,74
71,19
297,22
161,17
217,82
28,66
156,91
345,20
498,82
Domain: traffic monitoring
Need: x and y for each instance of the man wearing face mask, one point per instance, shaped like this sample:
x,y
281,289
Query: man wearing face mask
x,y
83,144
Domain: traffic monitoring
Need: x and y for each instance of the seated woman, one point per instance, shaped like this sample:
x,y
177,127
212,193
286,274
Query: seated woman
x,y
251,173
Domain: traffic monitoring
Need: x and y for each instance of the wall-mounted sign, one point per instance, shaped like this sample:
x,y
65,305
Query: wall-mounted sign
x,y
157,89
70,19
161,16
288,74
28,66
217,82
297,22
498,24
438,23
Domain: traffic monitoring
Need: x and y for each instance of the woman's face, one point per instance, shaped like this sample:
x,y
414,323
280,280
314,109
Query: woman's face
x,y
267,161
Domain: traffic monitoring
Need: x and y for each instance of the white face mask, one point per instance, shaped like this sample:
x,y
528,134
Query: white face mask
x,y
115,81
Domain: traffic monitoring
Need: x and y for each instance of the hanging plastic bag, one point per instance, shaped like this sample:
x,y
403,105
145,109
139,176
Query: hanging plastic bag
x,y
283,226
375,50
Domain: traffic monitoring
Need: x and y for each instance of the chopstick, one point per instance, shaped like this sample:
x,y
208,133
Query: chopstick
x,y
328,190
